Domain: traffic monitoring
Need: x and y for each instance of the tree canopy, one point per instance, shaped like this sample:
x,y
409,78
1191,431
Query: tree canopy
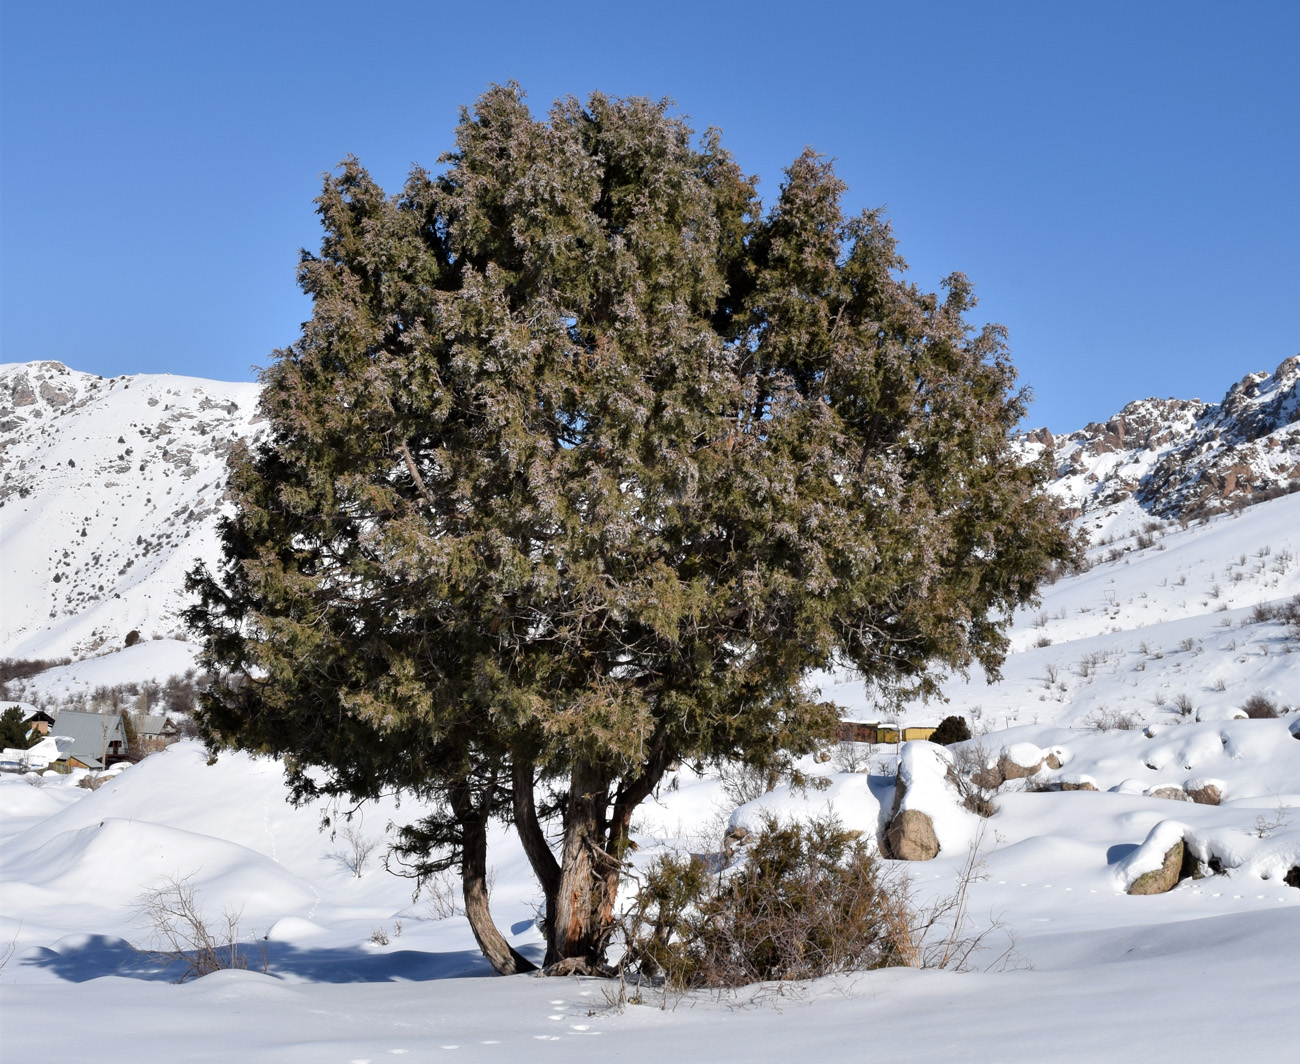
x,y
583,462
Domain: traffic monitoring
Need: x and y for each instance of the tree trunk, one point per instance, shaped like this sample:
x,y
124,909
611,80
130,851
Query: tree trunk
x,y
618,838
575,935
545,867
473,865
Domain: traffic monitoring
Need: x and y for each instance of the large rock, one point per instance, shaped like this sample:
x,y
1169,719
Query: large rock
x,y
1204,792
1022,760
1164,878
924,789
911,837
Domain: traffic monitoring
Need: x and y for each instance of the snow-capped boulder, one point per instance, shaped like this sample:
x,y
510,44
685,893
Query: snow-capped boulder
x,y
1156,866
927,815
1204,791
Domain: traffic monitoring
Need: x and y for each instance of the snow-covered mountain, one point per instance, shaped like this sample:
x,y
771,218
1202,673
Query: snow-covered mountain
x,y
109,490
1182,457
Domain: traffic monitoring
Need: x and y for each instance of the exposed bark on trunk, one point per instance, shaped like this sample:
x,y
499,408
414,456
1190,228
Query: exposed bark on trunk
x,y
545,867
574,935
591,864
473,867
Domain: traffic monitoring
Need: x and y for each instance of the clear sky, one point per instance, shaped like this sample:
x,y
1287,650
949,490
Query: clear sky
x,y
1120,180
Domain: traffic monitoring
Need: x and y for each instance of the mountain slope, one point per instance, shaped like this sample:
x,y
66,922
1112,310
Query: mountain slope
x,y
109,490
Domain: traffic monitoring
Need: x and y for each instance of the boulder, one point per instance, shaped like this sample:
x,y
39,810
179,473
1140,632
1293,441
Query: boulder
x,y
1165,877
731,840
924,783
1204,792
1169,792
1021,760
911,837
1077,783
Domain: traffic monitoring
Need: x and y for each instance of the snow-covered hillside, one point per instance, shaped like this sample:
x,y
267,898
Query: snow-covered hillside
x,y
109,491
1116,734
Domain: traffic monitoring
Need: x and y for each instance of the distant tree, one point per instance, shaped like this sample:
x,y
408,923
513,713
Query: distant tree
x,y
579,468
13,730
951,730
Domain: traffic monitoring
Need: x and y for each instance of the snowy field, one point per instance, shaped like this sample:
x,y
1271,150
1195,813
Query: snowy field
x,y
1136,690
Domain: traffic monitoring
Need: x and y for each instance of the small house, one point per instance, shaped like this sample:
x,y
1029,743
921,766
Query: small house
x,y
98,739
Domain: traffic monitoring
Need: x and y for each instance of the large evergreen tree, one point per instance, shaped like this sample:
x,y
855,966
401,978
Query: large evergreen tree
x,y
580,466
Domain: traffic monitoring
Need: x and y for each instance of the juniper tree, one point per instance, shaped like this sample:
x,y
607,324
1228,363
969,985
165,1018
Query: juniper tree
x,y
581,465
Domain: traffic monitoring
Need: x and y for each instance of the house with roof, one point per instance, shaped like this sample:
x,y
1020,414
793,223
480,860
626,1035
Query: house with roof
x,y
98,739
156,731
38,721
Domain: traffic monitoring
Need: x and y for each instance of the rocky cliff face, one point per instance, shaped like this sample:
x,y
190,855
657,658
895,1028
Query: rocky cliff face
x,y
110,490
1183,457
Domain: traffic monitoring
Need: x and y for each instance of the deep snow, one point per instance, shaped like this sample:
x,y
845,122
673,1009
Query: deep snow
x,y
1206,971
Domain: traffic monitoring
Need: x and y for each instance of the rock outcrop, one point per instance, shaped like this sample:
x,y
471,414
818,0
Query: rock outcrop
x,y
1183,457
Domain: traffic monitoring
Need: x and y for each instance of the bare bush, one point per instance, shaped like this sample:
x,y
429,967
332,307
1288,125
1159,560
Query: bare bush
x,y
743,783
1184,705
359,847
970,764
851,757
946,937
1113,720
1259,707
442,896
182,935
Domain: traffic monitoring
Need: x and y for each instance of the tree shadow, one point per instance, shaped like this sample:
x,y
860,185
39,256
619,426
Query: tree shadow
x,y
85,957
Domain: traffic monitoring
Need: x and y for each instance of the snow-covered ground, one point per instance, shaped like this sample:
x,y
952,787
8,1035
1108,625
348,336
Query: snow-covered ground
x,y
1145,663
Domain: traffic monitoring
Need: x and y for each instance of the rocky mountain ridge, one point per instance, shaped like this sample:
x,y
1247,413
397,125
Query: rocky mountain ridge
x,y
1184,458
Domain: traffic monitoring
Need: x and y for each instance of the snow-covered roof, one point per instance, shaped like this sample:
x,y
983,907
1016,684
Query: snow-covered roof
x,y
91,733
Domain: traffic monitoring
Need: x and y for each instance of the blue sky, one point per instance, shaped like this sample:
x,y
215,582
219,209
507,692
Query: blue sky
x,y
1120,180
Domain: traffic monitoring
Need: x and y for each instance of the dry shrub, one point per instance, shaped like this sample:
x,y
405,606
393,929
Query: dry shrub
x,y
181,934
1116,720
808,901
1259,707
971,766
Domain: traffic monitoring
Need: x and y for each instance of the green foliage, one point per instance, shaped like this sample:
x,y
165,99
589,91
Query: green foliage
x,y
13,729
581,464
806,902
952,729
